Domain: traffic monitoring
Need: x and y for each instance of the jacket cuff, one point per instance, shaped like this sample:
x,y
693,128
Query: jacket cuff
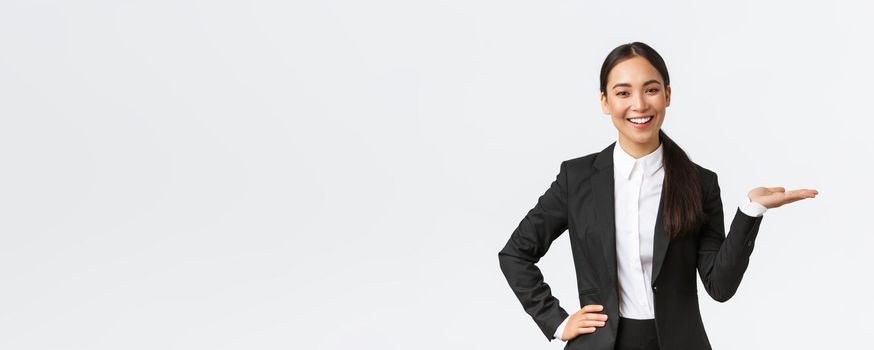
x,y
557,319
560,329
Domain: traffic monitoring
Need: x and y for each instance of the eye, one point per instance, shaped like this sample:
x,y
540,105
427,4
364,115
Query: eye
x,y
622,93
653,90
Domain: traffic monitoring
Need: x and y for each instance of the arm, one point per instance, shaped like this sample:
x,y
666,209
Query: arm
x,y
723,260
528,243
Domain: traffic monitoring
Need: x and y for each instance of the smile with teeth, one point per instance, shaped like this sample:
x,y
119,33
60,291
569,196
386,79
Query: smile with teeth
x,y
640,121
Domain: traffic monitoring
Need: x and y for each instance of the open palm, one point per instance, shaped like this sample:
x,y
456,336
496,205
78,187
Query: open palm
x,y
773,197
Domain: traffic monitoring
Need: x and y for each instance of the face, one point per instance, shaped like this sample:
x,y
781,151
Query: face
x,y
635,89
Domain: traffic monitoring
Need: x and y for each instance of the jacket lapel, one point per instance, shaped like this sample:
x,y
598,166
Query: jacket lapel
x,y
660,241
605,216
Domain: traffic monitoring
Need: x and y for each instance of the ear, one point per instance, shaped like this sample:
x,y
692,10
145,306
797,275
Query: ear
x,y
604,106
667,95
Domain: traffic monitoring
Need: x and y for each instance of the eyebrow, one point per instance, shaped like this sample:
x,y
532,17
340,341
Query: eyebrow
x,y
629,85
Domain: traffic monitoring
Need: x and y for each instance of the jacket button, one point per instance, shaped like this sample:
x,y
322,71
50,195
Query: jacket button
x,y
655,289
749,243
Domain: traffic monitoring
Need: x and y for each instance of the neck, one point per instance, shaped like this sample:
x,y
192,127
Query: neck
x,y
638,150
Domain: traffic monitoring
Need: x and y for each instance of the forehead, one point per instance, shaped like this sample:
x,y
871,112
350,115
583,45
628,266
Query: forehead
x,y
635,71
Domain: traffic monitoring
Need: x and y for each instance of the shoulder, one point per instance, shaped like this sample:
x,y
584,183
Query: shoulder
x,y
581,168
586,161
708,178
582,162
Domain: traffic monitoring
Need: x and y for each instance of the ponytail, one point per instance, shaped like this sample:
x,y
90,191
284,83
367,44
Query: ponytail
x,y
683,209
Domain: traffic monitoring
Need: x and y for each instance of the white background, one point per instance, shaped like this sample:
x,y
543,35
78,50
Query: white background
x,y
339,174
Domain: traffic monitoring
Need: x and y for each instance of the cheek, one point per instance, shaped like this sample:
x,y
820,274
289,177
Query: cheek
x,y
618,107
616,114
658,102
618,120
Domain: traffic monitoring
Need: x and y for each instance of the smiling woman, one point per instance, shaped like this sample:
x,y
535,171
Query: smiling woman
x,y
642,219
635,91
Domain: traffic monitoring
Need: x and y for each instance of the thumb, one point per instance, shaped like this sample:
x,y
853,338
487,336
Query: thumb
x,y
777,189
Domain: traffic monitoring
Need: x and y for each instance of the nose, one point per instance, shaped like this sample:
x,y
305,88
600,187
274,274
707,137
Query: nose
x,y
638,103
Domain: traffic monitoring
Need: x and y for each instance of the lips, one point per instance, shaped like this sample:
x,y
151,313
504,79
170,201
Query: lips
x,y
641,122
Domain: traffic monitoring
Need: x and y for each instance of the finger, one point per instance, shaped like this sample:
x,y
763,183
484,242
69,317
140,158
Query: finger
x,y
592,308
595,317
589,323
585,330
793,196
801,194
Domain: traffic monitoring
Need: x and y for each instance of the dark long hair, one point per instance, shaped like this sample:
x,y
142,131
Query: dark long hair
x,y
682,208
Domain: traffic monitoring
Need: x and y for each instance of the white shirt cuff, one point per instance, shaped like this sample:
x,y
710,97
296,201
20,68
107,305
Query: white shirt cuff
x,y
560,330
751,208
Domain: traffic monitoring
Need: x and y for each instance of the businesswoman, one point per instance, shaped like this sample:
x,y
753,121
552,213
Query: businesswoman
x,y
642,218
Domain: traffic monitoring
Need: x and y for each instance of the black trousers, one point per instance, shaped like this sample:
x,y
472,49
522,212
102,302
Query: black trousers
x,y
636,335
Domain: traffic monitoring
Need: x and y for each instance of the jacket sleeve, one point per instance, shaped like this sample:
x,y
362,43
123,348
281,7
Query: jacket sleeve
x,y
527,244
723,260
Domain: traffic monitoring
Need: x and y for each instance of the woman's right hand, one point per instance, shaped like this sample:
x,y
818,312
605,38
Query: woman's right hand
x,y
584,321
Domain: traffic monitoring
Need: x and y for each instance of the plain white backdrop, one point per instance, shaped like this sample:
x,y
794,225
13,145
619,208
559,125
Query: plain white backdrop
x,y
339,174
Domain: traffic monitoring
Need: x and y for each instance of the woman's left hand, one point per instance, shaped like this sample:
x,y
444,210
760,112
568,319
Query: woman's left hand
x,y
773,197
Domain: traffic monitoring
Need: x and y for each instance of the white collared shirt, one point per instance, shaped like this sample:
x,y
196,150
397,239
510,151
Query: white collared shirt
x,y
637,190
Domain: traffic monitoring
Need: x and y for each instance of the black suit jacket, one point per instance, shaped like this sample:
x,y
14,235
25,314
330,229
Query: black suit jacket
x,y
580,200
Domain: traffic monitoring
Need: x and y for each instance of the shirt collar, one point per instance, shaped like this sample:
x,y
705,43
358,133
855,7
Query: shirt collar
x,y
623,162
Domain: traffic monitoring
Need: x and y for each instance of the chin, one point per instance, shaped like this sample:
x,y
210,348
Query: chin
x,y
640,139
